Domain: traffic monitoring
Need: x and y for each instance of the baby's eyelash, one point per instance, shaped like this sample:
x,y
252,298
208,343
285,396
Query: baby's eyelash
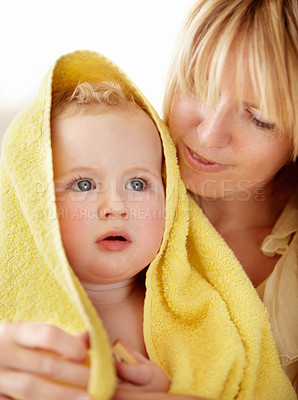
x,y
145,179
74,180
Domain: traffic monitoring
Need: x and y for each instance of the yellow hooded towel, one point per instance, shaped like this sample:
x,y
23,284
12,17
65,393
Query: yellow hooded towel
x,y
203,321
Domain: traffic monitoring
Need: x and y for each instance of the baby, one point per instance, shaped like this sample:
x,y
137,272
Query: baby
x,y
101,142
107,159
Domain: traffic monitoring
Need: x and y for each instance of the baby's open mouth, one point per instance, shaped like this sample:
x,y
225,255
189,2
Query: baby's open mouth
x,y
120,238
114,241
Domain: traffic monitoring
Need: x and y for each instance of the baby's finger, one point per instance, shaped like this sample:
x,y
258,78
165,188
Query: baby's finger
x,y
29,387
46,337
140,374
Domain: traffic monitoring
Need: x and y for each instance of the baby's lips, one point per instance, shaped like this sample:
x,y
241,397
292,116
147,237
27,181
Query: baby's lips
x,y
115,234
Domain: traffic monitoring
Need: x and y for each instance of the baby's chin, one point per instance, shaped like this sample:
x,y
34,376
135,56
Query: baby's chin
x,y
104,294
112,275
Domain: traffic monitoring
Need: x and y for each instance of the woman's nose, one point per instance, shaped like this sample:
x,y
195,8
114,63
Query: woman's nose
x,y
215,128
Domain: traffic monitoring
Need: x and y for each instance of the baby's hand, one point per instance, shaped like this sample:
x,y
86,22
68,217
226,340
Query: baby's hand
x,y
40,361
137,372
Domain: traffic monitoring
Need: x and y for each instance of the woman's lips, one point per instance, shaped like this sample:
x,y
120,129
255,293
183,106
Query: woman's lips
x,y
200,163
113,241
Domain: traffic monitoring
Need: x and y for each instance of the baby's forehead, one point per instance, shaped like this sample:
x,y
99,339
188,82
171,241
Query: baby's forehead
x,y
118,137
123,114
126,115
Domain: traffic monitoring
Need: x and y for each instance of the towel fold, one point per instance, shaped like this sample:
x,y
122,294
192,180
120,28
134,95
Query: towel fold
x,y
203,321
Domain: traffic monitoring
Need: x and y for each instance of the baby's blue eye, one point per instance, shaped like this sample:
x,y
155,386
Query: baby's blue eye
x,y
136,184
82,185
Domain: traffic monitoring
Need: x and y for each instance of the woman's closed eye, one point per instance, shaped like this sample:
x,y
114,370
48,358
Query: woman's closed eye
x,y
82,185
258,121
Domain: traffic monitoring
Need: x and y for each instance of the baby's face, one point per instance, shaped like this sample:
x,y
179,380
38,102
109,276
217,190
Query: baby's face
x,y
109,192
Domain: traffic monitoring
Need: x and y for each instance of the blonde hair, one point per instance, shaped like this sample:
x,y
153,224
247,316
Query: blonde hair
x,y
109,94
93,96
266,34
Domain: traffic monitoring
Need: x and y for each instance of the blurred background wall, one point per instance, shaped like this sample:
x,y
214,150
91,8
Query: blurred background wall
x,y
139,35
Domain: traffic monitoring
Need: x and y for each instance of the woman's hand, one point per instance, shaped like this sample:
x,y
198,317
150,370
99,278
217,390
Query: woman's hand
x,y
133,395
40,361
143,376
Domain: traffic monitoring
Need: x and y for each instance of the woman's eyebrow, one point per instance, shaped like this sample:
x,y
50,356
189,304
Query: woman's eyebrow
x,y
252,105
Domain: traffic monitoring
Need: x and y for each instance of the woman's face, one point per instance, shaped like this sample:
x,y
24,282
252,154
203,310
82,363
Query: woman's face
x,y
225,152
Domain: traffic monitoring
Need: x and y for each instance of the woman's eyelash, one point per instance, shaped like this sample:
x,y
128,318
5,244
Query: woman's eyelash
x,y
261,124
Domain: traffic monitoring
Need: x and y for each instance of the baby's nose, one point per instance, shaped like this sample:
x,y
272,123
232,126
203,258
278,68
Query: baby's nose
x,y
115,208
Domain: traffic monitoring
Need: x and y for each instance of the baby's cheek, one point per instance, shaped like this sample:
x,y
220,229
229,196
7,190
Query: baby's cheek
x,y
153,227
76,241
73,220
74,224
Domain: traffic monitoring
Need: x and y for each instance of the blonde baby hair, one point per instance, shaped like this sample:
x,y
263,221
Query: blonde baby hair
x,y
108,94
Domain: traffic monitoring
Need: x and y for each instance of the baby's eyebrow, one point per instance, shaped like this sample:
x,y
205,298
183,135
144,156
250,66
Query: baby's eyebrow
x,y
142,169
82,168
77,170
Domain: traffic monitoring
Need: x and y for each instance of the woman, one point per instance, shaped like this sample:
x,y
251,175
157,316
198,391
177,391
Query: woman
x,y
231,105
236,139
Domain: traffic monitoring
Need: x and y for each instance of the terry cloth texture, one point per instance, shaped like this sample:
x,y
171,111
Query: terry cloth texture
x,y
203,321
